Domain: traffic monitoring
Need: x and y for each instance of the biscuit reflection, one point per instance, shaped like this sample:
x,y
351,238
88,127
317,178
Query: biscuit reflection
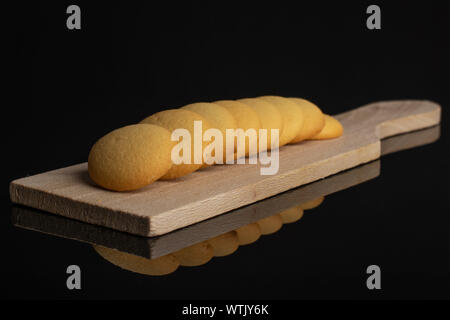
x,y
154,267
221,236
201,253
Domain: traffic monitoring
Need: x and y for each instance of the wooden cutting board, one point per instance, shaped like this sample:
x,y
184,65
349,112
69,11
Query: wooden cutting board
x,y
165,206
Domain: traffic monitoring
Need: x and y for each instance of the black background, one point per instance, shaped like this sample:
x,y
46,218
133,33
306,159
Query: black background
x,y
71,87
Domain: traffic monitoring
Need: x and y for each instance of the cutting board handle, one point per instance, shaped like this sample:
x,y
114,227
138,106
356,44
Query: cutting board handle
x,y
389,118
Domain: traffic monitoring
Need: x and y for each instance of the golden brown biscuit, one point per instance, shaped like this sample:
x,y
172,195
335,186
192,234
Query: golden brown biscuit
x,y
269,116
131,157
312,203
152,267
292,214
179,119
246,118
248,234
195,255
270,224
224,244
313,121
332,129
219,118
292,115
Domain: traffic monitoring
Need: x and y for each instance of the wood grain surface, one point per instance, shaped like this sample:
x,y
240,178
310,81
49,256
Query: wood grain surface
x,y
165,206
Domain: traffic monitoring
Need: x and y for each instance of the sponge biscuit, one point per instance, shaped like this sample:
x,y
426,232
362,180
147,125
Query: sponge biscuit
x,y
332,129
269,116
218,116
292,115
246,118
176,119
313,121
130,157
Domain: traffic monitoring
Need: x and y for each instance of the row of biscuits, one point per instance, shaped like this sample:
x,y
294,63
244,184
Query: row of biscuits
x,y
134,156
